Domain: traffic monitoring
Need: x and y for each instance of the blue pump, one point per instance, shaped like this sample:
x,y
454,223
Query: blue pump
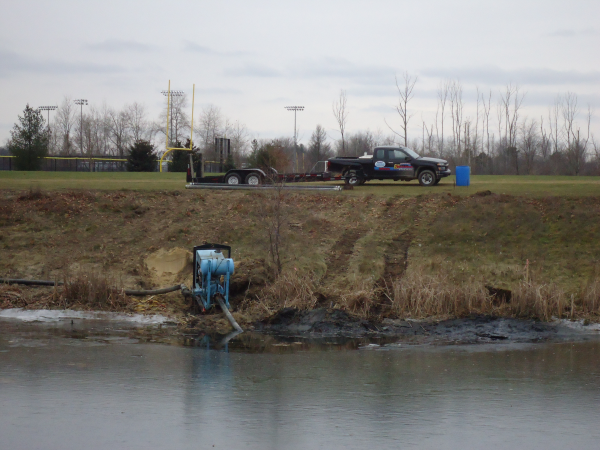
x,y
212,271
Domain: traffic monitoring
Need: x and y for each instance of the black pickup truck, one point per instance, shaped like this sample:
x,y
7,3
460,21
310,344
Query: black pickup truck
x,y
390,163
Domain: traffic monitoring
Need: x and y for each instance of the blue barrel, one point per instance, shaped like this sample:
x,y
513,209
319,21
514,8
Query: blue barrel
x,y
463,176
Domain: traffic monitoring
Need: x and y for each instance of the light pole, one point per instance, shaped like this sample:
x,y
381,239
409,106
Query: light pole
x,y
81,102
295,109
48,108
170,101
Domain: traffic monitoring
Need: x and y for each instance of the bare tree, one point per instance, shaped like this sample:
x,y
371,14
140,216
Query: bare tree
x,y
456,109
545,141
273,210
511,101
569,111
118,131
318,148
576,144
138,125
529,143
476,140
340,112
486,113
405,95
210,126
553,115
239,141
442,93
64,121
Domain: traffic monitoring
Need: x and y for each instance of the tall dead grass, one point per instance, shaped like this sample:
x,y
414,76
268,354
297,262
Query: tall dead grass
x,y
92,290
420,295
289,290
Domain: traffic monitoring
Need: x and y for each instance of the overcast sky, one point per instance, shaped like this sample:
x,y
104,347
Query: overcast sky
x,y
253,58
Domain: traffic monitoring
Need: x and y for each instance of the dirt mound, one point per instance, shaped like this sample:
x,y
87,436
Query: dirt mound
x,y
166,266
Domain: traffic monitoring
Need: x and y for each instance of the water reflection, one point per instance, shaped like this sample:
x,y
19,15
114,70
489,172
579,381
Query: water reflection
x,y
67,393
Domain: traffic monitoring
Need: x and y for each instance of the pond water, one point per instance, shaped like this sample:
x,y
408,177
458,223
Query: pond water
x,y
100,385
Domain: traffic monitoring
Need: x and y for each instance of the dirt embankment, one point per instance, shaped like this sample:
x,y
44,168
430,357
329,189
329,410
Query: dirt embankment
x,y
357,260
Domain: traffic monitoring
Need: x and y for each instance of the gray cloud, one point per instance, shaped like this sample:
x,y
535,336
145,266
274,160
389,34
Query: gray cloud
x,y
253,70
342,68
496,76
189,46
571,32
118,45
12,63
218,91
324,68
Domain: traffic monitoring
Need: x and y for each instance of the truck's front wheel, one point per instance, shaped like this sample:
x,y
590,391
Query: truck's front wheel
x,y
427,178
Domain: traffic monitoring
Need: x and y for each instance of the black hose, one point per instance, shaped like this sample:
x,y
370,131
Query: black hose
x,y
166,290
60,283
31,282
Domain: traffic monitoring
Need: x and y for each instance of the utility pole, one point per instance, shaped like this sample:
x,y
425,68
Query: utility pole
x,y
295,109
170,95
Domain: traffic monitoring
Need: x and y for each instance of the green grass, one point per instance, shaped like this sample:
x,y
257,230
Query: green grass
x,y
533,186
92,180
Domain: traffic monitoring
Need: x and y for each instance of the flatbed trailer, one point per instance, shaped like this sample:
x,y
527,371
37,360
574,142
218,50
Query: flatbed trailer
x,y
257,177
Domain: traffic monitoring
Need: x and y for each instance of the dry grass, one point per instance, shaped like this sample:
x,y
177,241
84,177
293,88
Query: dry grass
x,y
93,291
83,291
420,295
360,296
290,290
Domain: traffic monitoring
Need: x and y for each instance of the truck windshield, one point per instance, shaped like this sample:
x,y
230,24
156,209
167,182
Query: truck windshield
x,y
411,153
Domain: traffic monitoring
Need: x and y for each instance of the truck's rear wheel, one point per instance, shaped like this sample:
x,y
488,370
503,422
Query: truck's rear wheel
x,y
233,178
427,178
253,179
352,179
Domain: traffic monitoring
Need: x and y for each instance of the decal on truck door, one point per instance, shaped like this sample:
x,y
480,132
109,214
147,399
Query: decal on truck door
x,y
379,164
403,166
400,167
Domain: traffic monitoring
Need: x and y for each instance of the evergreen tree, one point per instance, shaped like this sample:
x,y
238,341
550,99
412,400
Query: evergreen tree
x,y
229,163
181,158
29,140
141,157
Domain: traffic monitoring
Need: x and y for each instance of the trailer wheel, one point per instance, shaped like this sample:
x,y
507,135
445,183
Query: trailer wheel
x,y
427,178
233,178
253,179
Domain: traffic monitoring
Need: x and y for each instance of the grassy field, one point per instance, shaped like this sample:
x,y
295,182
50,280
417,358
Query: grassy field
x,y
534,186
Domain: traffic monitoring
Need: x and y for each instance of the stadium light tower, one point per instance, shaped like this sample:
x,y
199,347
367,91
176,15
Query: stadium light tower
x,y
81,102
295,109
170,95
48,108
